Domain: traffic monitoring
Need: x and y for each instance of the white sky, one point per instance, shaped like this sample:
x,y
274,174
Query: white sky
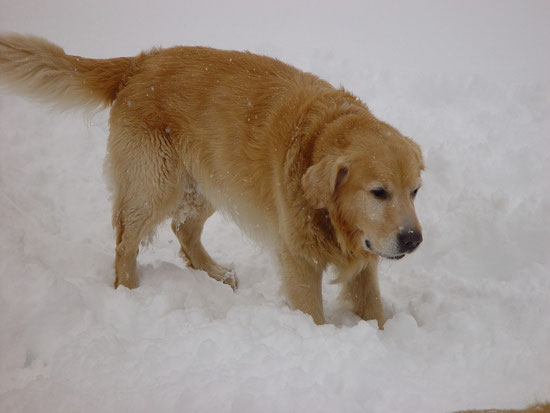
x,y
507,39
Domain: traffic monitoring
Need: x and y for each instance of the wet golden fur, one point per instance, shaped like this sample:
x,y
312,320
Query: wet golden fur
x,y
293,160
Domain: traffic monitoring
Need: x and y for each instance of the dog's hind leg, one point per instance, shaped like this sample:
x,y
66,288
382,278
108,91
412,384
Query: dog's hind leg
x,y
143,172
192,212
134,219
127,230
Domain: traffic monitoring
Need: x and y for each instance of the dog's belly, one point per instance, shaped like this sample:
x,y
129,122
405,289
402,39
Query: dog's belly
x,y
240,203
234,168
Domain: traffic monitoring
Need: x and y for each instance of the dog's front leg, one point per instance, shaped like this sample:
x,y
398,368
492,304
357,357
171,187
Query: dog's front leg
x,y
302,284
364,294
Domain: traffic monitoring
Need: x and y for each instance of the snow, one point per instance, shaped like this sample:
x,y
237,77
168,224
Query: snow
x,y
469,311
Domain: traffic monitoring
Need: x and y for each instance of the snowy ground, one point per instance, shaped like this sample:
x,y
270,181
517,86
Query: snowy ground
x,y
470,311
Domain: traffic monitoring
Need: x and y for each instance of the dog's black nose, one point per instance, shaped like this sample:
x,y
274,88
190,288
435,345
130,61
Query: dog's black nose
x,y
408,240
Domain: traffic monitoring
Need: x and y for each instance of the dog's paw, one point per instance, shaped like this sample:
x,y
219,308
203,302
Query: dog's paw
x,y
230,278
130,283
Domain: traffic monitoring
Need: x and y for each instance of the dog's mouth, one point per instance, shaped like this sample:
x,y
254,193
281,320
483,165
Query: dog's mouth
x,y
389,257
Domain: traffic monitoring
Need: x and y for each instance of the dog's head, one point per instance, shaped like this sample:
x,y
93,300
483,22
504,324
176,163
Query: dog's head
x,y
368,181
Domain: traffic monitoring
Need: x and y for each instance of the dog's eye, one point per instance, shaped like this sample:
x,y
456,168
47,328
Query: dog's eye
x,y
379,193
413,193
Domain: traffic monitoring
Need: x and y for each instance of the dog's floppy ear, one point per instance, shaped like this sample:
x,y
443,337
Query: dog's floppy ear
x,y
322,180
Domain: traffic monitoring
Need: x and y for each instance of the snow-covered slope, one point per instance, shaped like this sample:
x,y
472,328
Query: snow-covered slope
x,y
470,311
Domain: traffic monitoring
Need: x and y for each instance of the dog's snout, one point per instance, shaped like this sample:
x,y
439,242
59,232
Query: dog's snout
x,y
409,239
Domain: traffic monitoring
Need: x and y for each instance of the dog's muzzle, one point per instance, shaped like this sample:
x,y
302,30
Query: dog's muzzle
x,y
391,257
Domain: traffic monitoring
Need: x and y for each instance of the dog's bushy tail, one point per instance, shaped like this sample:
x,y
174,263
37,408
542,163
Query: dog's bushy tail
x,y
37,68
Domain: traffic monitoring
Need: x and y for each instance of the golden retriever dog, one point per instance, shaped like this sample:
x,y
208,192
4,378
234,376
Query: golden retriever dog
x,y
299,165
